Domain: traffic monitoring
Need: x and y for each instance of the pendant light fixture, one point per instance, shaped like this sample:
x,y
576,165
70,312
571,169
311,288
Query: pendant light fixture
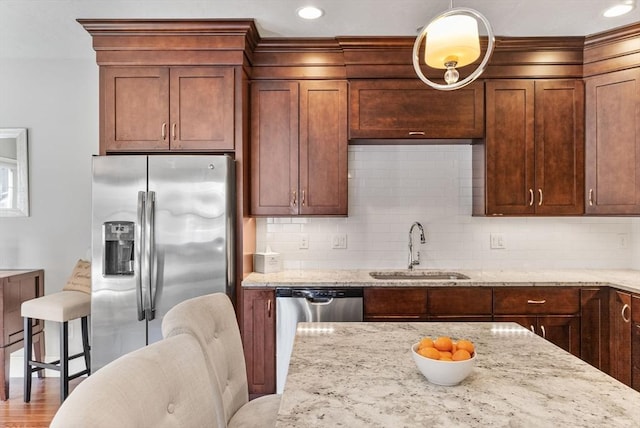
x,y
452,40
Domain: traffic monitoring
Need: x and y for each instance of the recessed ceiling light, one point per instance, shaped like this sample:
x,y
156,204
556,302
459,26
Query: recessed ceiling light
x,y
310,12
619,9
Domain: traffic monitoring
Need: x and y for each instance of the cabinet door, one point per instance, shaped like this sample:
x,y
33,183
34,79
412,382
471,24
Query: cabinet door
x,y
323,148
563,331
460,304
594,327
135,108
613,143
559,147
202,108
620,336
408,109
509,145
395,304
635,342
274,148
259,340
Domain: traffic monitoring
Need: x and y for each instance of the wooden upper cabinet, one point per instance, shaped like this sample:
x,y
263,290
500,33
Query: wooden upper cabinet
x,y
534,147
167,108
406,109
613,143
299,148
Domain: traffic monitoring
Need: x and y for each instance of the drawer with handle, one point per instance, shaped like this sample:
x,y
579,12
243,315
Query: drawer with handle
x,y
536,300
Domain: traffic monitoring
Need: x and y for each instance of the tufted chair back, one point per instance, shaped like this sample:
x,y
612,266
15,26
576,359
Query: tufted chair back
x,y
163,385
212,320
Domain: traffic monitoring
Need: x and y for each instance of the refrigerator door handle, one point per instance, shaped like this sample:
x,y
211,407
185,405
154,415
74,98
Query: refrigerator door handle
x,y
151,256
138,252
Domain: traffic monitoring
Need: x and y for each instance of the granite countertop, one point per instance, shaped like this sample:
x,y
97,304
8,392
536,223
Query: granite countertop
x,y
628,280
363,374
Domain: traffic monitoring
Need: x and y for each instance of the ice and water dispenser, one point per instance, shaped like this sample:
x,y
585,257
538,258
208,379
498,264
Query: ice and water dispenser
x,y
118,248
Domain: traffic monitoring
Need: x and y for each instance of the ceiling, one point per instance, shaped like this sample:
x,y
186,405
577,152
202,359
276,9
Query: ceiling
x,y
47,28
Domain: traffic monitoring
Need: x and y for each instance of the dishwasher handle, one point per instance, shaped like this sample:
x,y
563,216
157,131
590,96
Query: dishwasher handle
x,y
319,301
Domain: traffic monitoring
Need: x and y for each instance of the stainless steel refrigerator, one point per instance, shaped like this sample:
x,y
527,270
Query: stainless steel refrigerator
x,y
162,232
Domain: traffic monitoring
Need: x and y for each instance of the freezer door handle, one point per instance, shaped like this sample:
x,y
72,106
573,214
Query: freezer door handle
x,y
138,244
151,256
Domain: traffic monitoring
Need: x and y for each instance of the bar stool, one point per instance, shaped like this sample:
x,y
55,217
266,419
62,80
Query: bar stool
x,y
74,301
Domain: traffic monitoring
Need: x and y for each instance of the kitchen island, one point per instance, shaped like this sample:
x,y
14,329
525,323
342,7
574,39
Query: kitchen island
x,y
363,375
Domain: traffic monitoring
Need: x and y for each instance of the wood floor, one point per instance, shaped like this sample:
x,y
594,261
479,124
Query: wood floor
x,y
45,400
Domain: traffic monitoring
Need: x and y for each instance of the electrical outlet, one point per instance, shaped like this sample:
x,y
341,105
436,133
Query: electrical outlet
x,y
303,242
497,241
339,241
623,240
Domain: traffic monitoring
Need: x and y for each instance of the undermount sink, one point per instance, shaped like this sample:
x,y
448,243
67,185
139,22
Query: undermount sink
x,y
418,275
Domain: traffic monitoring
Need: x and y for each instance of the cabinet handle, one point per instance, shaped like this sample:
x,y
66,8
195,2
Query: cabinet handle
x,y
627,318
416,132
590,197
536,302
173,131
530,197
164,130
303,198
269,308
540,193
295,198
544,333
533,329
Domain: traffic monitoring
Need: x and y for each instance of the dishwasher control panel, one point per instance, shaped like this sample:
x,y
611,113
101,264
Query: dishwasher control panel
x,y
319,292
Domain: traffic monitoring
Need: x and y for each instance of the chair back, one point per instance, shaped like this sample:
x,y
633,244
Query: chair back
x,y
163,385
212,320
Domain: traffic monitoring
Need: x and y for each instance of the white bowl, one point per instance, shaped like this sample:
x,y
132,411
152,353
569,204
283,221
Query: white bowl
x,y
447,373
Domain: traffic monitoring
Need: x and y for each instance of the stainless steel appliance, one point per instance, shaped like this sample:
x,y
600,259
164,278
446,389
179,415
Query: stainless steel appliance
x,y
162,232
318,305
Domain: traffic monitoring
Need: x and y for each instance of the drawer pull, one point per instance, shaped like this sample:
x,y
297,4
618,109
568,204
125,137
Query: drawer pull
x,y
536,302
533,329
590,197
540,193
530,197
416,132
544,333
269,308
626,318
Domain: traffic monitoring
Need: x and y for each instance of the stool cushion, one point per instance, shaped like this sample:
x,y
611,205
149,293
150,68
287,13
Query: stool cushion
x,y
60,307
80,279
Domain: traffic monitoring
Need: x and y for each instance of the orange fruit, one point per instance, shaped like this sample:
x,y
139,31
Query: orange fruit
x,y
443,343
454,347
466,345
445,354
426,342
461,355
446,358
429,353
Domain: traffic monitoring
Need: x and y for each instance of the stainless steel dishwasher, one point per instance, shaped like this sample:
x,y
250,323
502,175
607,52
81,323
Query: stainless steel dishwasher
x,y
318,305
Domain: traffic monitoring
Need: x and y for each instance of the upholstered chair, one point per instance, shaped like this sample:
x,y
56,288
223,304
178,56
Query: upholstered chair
x,y
74,301
212,320
163,385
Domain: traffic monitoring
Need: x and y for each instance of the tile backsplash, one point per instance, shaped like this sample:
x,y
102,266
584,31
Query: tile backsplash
x,y
390,187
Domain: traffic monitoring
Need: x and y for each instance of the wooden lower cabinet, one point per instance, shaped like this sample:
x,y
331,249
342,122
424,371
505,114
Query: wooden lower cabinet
x,y
551,312
620,335
259,340
594,327
635,342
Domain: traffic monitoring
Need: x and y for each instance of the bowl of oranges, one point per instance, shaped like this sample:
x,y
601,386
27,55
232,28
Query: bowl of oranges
x,y
444,361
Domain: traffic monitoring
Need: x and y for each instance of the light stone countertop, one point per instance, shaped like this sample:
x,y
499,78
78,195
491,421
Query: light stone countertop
x,y
628,280
363,375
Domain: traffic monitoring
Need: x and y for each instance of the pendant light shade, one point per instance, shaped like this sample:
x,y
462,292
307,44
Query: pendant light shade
x,y
452,39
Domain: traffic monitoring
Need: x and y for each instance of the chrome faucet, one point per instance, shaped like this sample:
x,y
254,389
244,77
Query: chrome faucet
x,y
412,261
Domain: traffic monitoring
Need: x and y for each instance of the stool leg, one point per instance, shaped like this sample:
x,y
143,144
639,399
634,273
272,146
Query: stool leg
x,y
64,361
85,344
28,353
38,350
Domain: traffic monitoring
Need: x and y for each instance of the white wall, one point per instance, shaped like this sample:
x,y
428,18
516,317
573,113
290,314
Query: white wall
x,y
390,187
57,101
